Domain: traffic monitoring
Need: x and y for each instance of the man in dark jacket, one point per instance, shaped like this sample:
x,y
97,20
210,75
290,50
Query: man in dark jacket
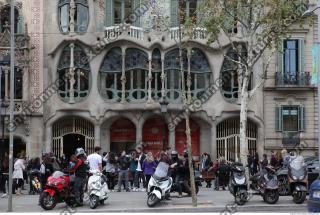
x,y
80,170
124,163
140,157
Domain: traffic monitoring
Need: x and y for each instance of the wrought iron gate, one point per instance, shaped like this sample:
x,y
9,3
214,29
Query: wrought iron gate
x,y
72,126
228,138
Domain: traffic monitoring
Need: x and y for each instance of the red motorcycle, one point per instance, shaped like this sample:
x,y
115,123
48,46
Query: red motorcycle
x,y
57,190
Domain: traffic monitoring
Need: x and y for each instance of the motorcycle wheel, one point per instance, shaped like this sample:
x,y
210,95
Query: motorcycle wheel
x,y
299,197
152,200
47,202
94,201
271,196
240,197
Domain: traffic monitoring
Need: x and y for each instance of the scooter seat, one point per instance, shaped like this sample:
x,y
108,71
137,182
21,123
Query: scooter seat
x,y
161,179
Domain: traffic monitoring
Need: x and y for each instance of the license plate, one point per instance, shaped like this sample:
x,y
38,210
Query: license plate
x,y
316,194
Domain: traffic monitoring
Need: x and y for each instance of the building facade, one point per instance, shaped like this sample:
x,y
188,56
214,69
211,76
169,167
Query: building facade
x,y
100,82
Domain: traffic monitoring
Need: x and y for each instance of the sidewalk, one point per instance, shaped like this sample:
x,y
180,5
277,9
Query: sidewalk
x,y
208,201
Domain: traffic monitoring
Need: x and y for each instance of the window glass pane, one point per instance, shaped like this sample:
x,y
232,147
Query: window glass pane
x,y
64,18
290,118
18,84
81,18
128,10
117,11
5,19
290,61
192,10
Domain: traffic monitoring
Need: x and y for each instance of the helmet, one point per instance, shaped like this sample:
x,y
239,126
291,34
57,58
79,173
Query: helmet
x,y
174,152
79,151
185,154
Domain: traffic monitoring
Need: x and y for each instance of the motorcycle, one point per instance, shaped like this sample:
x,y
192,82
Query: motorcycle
x,y
265,184
298,179
159,185
197,179
238,184
97,189
57,190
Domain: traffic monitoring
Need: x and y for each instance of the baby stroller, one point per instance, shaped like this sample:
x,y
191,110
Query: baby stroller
x,y
35,185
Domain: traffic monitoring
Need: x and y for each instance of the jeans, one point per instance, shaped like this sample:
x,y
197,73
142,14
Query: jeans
x,y
110,180
3,182
124,173
148,179
216,182
139,175
79,184
133,173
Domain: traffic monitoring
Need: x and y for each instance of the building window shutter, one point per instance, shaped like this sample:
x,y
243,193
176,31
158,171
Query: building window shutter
x,y
280,57
174,13
135,7
301,118
109,13
301,62
278,118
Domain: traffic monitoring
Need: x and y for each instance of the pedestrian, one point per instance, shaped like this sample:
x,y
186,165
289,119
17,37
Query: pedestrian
x,y
149,166
80,171
223,173
17,175
285,157
273,160
206,163
123,163
255,164
133,168
46,169
95,159
279,159
264,162
215,168
110,169
139,173
5,174
250,164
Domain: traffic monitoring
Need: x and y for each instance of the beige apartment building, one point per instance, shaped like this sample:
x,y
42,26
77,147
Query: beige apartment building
x,y
92,81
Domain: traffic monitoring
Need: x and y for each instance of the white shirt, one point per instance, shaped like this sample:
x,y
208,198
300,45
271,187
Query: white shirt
x,y
139,165
94,161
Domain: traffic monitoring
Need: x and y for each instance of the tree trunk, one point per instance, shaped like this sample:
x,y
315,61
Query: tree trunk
x,y
191,170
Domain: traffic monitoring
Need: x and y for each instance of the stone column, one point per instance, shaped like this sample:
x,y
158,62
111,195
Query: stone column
x,y
163,77
72,13
213,141
6,83
172,139
150,100
97,135
123,77
189,97
71,74
139,132
48,139
25,81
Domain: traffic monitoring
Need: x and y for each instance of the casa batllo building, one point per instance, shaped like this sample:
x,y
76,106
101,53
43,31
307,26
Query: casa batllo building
x,y
102,82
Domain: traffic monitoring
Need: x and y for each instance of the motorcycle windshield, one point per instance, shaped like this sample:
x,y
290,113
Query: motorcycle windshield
x,y
298,173
297,163
161,170
57,174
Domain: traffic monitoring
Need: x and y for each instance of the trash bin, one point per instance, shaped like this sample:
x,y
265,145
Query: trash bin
x,y
314,197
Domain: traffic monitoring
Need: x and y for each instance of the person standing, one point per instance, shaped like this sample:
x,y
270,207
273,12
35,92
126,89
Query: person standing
x,y
80,171
124,163
133,168
264,162
149,166
17,175
273,160
95,159
255,163
206,163
139,173
110,169
5,174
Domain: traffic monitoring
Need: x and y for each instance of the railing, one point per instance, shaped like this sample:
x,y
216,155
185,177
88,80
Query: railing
x,y
292,79
291,138
197,33
5,105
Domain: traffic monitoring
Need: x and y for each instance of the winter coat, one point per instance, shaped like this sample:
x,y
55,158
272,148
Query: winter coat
x,y
19,167
149,167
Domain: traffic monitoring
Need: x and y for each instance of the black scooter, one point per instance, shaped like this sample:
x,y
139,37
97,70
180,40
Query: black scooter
x,y
298,180
238,183
265,184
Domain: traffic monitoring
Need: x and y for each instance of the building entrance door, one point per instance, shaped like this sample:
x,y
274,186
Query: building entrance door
x,y
71,142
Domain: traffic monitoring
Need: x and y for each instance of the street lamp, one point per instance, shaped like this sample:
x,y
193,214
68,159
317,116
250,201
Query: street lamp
x,y
307,14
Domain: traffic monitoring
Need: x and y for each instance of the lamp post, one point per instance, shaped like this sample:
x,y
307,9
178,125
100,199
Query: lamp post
x,y
307,14
164,109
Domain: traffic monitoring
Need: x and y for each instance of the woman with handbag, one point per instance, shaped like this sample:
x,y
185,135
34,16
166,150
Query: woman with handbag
x,y
110,169
19,167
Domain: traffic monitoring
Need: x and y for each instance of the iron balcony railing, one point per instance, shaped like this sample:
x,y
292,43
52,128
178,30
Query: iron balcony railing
x,y
290,138
292,79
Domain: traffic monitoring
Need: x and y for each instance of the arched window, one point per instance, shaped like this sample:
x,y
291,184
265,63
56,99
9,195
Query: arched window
x,y
5,19
81,74
200,73
110,75
173,73
230,72
5,85
136,62
81,16
156,74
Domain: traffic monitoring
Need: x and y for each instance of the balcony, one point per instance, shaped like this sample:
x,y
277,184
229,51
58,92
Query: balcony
x,y
301,79
134,33
290,138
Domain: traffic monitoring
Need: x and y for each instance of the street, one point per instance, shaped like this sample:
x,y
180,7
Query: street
x,y
208,201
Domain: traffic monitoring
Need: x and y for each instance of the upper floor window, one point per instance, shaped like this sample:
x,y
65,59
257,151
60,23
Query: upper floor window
x,y
120,11
291,65
230,74
5,83
5,19
290,118
81,76
80,15
183,10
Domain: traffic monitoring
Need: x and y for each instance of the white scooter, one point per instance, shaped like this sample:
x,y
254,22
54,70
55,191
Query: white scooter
x,y
97,189
159,185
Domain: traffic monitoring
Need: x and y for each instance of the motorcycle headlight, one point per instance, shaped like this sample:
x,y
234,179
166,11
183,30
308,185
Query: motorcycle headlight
x,y
294,177
302,177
